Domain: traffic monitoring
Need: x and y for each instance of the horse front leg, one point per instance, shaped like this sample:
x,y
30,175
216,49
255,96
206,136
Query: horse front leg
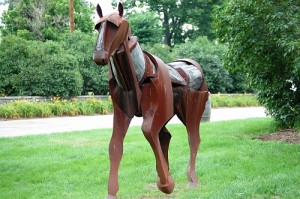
x,y
156,113
164,139
165,182
120,127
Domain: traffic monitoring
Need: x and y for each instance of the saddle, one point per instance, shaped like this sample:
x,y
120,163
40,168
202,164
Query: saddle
x,y
185,73
182,72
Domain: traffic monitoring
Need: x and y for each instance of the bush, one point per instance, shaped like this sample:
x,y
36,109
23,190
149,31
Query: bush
x,y
92,106
210,56
9,111
81,46
263,41
12,54
55,107
164,52
239,100
38,68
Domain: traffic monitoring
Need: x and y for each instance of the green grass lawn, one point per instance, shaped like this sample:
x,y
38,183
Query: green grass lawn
x,y
230,164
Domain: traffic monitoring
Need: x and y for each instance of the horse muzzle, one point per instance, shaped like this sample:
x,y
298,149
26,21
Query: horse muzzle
x,y
100,57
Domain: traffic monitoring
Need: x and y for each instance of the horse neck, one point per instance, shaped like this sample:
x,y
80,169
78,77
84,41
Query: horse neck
x,y
128,65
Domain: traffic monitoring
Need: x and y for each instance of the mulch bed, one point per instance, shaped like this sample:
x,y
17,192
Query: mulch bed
x,y
286,135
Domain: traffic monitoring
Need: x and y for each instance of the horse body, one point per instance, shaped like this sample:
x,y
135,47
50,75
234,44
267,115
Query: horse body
x,y
143,85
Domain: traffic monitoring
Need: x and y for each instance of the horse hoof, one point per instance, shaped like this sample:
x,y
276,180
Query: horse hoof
x,y
166,188
192,184
111,197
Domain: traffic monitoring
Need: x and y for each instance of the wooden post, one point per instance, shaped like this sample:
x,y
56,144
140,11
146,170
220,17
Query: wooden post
x,y
72,25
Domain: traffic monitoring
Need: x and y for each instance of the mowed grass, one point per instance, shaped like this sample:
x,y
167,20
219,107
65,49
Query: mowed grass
x,y
230,164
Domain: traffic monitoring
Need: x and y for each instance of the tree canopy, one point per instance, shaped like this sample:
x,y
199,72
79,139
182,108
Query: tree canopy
x,y
40,57
44,19
145,25
32,26
263,38
181,20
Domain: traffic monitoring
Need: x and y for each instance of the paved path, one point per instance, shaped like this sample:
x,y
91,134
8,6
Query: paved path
x,y
12,128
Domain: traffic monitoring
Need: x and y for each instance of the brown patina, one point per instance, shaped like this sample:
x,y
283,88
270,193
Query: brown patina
x,y
142,85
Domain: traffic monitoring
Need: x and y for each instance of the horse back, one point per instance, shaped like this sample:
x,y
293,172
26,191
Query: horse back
x,y
190,72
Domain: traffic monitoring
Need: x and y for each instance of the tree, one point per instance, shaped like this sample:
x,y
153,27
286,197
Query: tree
x,y
176,15
145,26
44,19
200,18
264,41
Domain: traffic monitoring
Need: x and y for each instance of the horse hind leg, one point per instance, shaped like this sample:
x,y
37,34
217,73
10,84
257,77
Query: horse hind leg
x,y
194,108
194,142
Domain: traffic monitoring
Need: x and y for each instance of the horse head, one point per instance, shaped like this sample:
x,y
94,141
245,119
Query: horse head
x,y
113,30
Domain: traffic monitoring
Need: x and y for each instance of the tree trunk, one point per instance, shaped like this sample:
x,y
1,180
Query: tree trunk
x,y
166,25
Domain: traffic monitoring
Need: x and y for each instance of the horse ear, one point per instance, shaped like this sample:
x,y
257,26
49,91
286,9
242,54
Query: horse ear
x,y
120,9
99,11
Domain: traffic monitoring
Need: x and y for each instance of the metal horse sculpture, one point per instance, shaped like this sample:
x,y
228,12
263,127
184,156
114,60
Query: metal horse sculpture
x,y
143,85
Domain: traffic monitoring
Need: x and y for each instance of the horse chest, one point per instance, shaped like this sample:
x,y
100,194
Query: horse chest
x,y
121,68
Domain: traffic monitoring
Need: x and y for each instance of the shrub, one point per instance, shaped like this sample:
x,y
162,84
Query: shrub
x,y
43,109
55,107
92,106
26,109
223,100
37,68
164,52
9,111
263,41
80,46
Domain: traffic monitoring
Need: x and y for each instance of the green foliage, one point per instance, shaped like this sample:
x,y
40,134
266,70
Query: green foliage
x,y
176,14
12,49
76,165
44,19
56,107
209,56
263,40
238,100
81,46
145,26
91,106
200,17
164,52
62,68
37,68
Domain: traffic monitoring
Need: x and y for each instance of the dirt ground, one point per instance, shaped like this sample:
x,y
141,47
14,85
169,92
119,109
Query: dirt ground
x,y
287,135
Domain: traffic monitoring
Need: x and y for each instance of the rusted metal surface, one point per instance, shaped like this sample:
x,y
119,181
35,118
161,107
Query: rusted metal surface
x,y
142,85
